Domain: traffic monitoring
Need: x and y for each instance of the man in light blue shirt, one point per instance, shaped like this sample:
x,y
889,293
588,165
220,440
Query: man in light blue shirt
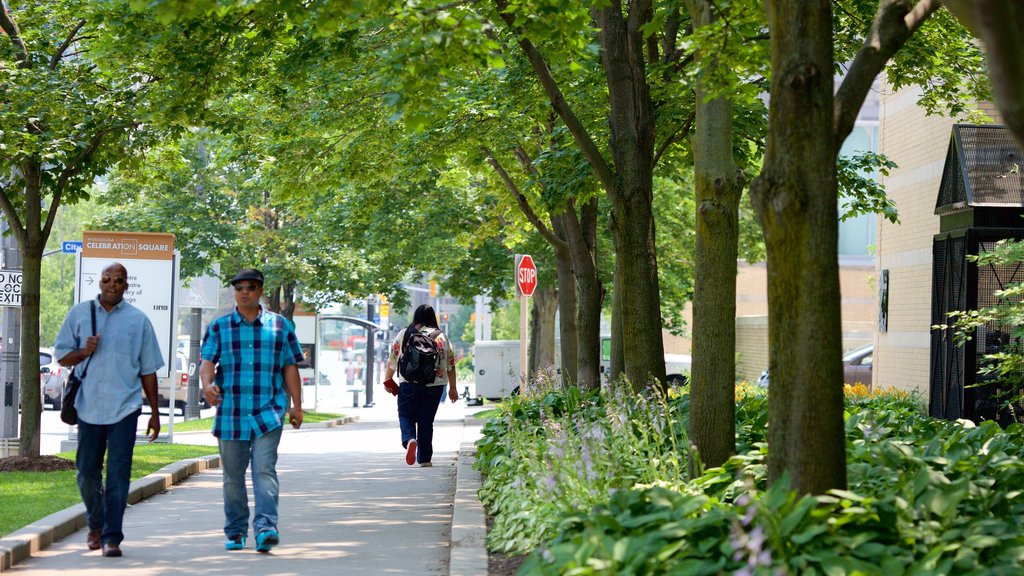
x,y
120,359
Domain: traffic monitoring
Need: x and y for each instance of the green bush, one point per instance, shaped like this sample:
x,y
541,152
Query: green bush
x,y
925,496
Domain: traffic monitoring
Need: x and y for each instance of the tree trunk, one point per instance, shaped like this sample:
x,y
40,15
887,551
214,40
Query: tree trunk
x,y
567,326
632,123
31,241
718,188
583,232
795,201
542,329
617,362
287,306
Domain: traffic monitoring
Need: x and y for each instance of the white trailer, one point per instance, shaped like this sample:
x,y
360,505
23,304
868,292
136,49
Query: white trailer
x,y
496,368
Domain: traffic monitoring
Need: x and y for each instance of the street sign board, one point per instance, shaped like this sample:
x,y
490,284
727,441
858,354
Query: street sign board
x,y
70,246
10,288
152,266
526,275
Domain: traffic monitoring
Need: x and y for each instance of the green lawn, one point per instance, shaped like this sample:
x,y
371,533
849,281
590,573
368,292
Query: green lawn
x,y
308,417
30,496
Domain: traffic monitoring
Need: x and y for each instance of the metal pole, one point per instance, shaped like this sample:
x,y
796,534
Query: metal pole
x,y
371,341
195,334
10,357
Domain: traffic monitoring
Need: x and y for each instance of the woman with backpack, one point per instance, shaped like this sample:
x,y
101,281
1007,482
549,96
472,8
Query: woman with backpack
x,y
420,363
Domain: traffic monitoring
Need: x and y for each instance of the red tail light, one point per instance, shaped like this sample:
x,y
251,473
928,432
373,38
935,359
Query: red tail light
x,y
184,378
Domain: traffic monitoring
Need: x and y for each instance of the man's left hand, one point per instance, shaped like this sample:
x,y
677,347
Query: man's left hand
x,y
153,428
295,416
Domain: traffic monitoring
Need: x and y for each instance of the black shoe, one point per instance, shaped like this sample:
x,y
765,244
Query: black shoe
x,y
111,550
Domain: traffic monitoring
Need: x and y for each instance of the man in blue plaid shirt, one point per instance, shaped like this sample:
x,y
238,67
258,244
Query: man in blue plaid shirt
x,y
249,370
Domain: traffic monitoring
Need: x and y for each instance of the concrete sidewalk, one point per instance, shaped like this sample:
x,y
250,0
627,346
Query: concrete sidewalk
x,y
349,504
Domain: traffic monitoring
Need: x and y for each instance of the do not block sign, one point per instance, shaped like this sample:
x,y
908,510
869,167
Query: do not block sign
x,y
10,288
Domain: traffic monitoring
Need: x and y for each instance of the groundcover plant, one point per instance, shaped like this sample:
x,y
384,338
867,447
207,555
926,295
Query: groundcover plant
x,y
597,483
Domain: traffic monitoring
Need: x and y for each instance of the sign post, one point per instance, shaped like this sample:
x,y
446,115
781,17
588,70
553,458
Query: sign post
x,y
152,265
526,283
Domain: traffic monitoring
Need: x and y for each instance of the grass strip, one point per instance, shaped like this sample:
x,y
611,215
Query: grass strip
x,y
203,424
31,496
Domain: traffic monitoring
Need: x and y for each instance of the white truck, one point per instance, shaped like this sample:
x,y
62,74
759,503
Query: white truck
x,y
496,368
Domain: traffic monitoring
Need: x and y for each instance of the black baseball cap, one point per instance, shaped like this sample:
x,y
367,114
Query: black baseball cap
x,y
248,274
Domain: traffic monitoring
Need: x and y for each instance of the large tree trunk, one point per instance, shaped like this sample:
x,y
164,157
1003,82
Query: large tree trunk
x,y
542,329
795,201
31,241
632,126
718,189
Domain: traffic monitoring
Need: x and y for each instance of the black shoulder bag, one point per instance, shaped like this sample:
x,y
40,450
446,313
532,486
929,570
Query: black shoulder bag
x,y
68,412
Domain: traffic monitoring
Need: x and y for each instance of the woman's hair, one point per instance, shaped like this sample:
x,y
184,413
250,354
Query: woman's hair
x,y
425,316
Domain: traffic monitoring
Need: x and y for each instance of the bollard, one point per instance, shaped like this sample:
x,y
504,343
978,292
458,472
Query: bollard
x,y
355,398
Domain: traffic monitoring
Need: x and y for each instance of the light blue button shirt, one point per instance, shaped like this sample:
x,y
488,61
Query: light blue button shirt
x,y
127,350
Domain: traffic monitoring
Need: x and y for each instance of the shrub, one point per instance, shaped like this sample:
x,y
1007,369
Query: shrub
x,y
924,497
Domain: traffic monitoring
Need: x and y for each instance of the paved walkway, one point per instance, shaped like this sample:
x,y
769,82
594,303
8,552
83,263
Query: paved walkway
x,y
349,505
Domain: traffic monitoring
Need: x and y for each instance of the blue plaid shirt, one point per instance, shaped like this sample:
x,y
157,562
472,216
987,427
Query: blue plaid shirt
x,y
251,358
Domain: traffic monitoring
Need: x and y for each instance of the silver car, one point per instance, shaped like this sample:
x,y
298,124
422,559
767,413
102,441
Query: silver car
x,y
52,377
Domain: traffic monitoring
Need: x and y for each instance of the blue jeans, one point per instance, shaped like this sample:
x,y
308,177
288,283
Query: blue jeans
x,y
104,504
417,406
235,457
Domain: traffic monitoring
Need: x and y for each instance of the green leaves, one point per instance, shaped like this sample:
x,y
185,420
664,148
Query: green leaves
x,y
925,497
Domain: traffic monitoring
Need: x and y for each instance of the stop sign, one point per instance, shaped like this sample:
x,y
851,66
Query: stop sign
x,y
526,275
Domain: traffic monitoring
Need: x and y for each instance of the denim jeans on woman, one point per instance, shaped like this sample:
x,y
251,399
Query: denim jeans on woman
x,y
104,504
235,458
417,406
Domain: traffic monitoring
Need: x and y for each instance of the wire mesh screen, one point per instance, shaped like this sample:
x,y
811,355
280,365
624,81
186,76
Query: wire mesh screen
x,y
994,337
994,165
949,275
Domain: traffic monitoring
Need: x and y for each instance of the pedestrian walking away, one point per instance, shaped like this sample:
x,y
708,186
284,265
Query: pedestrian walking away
x,y
249,371
119,347
420,363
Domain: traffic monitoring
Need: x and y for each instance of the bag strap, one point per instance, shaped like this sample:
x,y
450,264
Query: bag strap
x,y
92,313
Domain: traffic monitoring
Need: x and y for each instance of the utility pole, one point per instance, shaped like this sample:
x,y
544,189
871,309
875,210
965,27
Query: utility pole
x,y
192,405
10,355
371,342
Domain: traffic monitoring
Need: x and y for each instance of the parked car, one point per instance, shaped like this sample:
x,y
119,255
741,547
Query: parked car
x,y
52,377
180,381
856,367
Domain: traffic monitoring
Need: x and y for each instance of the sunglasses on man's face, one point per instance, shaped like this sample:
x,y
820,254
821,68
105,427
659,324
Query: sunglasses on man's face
x,y
247,287
115,279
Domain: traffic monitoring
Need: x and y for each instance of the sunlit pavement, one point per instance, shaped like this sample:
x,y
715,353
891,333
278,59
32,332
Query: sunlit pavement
x,y
349,505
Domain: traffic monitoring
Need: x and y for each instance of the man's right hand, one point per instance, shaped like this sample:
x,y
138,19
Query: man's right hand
x,y
212,394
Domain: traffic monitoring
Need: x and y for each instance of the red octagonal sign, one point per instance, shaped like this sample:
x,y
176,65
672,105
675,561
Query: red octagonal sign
x,y
526,275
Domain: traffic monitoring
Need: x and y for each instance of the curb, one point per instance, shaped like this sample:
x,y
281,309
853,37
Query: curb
x,y
468,552
325,424
333,423
29,540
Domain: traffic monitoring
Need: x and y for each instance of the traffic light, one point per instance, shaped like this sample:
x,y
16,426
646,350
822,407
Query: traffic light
x,y
444,316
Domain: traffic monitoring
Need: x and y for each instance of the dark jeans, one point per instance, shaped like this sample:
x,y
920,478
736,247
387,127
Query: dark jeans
x,y
417,406
105,503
